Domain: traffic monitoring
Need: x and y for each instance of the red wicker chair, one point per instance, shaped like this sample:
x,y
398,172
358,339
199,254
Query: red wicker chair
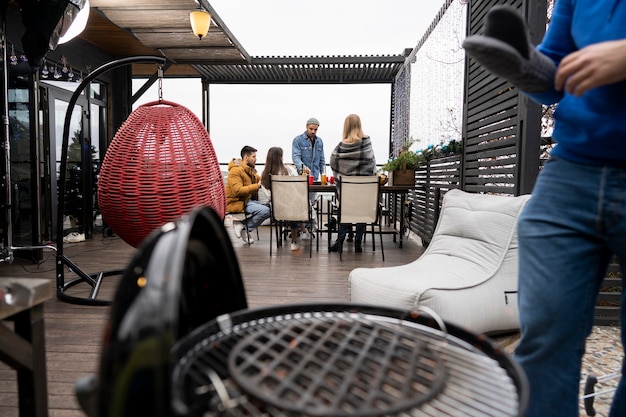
x,y
160,165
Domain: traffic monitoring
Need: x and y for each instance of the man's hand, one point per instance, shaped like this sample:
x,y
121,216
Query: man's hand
x,y
593,66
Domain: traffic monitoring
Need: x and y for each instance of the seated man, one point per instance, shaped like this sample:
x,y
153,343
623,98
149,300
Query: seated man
x,y
242,185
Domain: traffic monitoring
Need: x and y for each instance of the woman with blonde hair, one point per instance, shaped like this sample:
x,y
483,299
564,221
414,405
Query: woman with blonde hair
x,y
353,156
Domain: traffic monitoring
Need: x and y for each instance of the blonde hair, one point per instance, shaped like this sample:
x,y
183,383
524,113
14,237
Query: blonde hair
x,y
352,130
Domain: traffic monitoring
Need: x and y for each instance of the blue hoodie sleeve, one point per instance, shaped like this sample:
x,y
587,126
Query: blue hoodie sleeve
x,y
557,43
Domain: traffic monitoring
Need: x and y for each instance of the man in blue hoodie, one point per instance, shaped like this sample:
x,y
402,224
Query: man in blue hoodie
x,y
575,221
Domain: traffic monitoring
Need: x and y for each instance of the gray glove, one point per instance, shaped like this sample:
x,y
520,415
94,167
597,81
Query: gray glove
x,y
505,50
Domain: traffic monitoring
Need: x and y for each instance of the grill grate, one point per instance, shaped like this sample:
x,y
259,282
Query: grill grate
x,y
337,364
336,368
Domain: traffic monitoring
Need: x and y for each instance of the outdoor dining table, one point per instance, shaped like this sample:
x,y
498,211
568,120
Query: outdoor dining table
x,y
391,191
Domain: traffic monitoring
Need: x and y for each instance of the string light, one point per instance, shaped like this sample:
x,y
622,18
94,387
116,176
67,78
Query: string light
x,y
62,71
13,57
44,70
437,80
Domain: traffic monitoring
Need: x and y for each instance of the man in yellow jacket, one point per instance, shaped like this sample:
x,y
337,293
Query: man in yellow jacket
x,y
241,190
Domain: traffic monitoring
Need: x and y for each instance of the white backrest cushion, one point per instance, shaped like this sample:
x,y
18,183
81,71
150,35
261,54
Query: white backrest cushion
x,y
290,197
478,228
358,199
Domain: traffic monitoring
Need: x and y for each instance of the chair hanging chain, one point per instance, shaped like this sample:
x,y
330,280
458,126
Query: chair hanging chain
x,y
160,83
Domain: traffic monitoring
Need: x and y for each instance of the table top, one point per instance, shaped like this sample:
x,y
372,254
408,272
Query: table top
x,y
331,188
41,290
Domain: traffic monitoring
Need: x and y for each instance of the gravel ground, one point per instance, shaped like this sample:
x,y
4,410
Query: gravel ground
x,y
603,358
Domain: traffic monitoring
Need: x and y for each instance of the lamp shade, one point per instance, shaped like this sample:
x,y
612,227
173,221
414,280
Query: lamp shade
x,y
78,24
200,22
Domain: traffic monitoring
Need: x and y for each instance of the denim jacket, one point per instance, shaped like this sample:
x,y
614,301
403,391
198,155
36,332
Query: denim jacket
x,y
304,153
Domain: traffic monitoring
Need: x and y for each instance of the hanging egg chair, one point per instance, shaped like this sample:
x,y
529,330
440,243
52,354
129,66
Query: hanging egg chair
x,y
160,165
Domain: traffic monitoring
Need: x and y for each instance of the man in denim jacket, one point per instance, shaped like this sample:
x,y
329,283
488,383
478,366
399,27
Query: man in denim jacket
x,y
307,151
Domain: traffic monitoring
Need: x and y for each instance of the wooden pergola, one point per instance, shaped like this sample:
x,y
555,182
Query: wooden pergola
x,y
124,28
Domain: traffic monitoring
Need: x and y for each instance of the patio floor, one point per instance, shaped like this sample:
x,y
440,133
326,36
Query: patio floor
x,y
74,332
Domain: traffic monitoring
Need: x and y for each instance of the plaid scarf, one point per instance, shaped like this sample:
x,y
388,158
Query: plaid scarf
x,y
353,159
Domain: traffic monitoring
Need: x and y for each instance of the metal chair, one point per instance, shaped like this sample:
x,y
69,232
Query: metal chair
x,y
289,203
359,203
242,218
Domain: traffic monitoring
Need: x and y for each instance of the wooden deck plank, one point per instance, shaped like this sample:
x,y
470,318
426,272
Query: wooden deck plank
x,y
74,332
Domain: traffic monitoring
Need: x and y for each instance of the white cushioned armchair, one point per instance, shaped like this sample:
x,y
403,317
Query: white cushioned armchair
x,y
468,273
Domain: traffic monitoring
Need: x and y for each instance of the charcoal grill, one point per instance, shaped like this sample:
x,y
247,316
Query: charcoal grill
x,y
338,360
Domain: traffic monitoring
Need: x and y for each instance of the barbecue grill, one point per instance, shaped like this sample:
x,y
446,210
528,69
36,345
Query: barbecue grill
x,y
338,360
181,341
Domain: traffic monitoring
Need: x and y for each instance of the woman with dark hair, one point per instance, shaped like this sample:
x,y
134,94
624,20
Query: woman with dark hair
x,y
274,166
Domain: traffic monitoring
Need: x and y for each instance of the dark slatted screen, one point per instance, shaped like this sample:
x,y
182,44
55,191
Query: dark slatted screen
x,y
608,303
432,182
497,118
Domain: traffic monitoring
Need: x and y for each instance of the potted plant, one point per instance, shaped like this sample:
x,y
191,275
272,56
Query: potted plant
x,y
402,168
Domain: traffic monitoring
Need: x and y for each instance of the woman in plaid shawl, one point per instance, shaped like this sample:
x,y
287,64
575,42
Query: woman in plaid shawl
x,y
353,156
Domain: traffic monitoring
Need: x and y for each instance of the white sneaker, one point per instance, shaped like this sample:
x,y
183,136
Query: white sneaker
x,y
238,227
294,246
74,237
305,235
246,237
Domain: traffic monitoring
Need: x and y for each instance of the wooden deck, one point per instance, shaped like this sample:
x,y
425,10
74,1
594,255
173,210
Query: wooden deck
x,y
74,332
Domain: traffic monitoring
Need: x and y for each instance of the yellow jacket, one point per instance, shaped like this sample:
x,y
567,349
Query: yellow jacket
x,y
243,182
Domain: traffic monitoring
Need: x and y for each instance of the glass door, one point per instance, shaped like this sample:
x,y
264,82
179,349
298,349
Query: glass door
x,y
73,212
23,211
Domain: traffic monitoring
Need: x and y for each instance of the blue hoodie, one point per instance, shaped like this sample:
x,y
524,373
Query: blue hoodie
x,y
590,129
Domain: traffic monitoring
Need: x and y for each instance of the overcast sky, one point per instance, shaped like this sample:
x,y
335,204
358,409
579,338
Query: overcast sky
x,y
272,115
